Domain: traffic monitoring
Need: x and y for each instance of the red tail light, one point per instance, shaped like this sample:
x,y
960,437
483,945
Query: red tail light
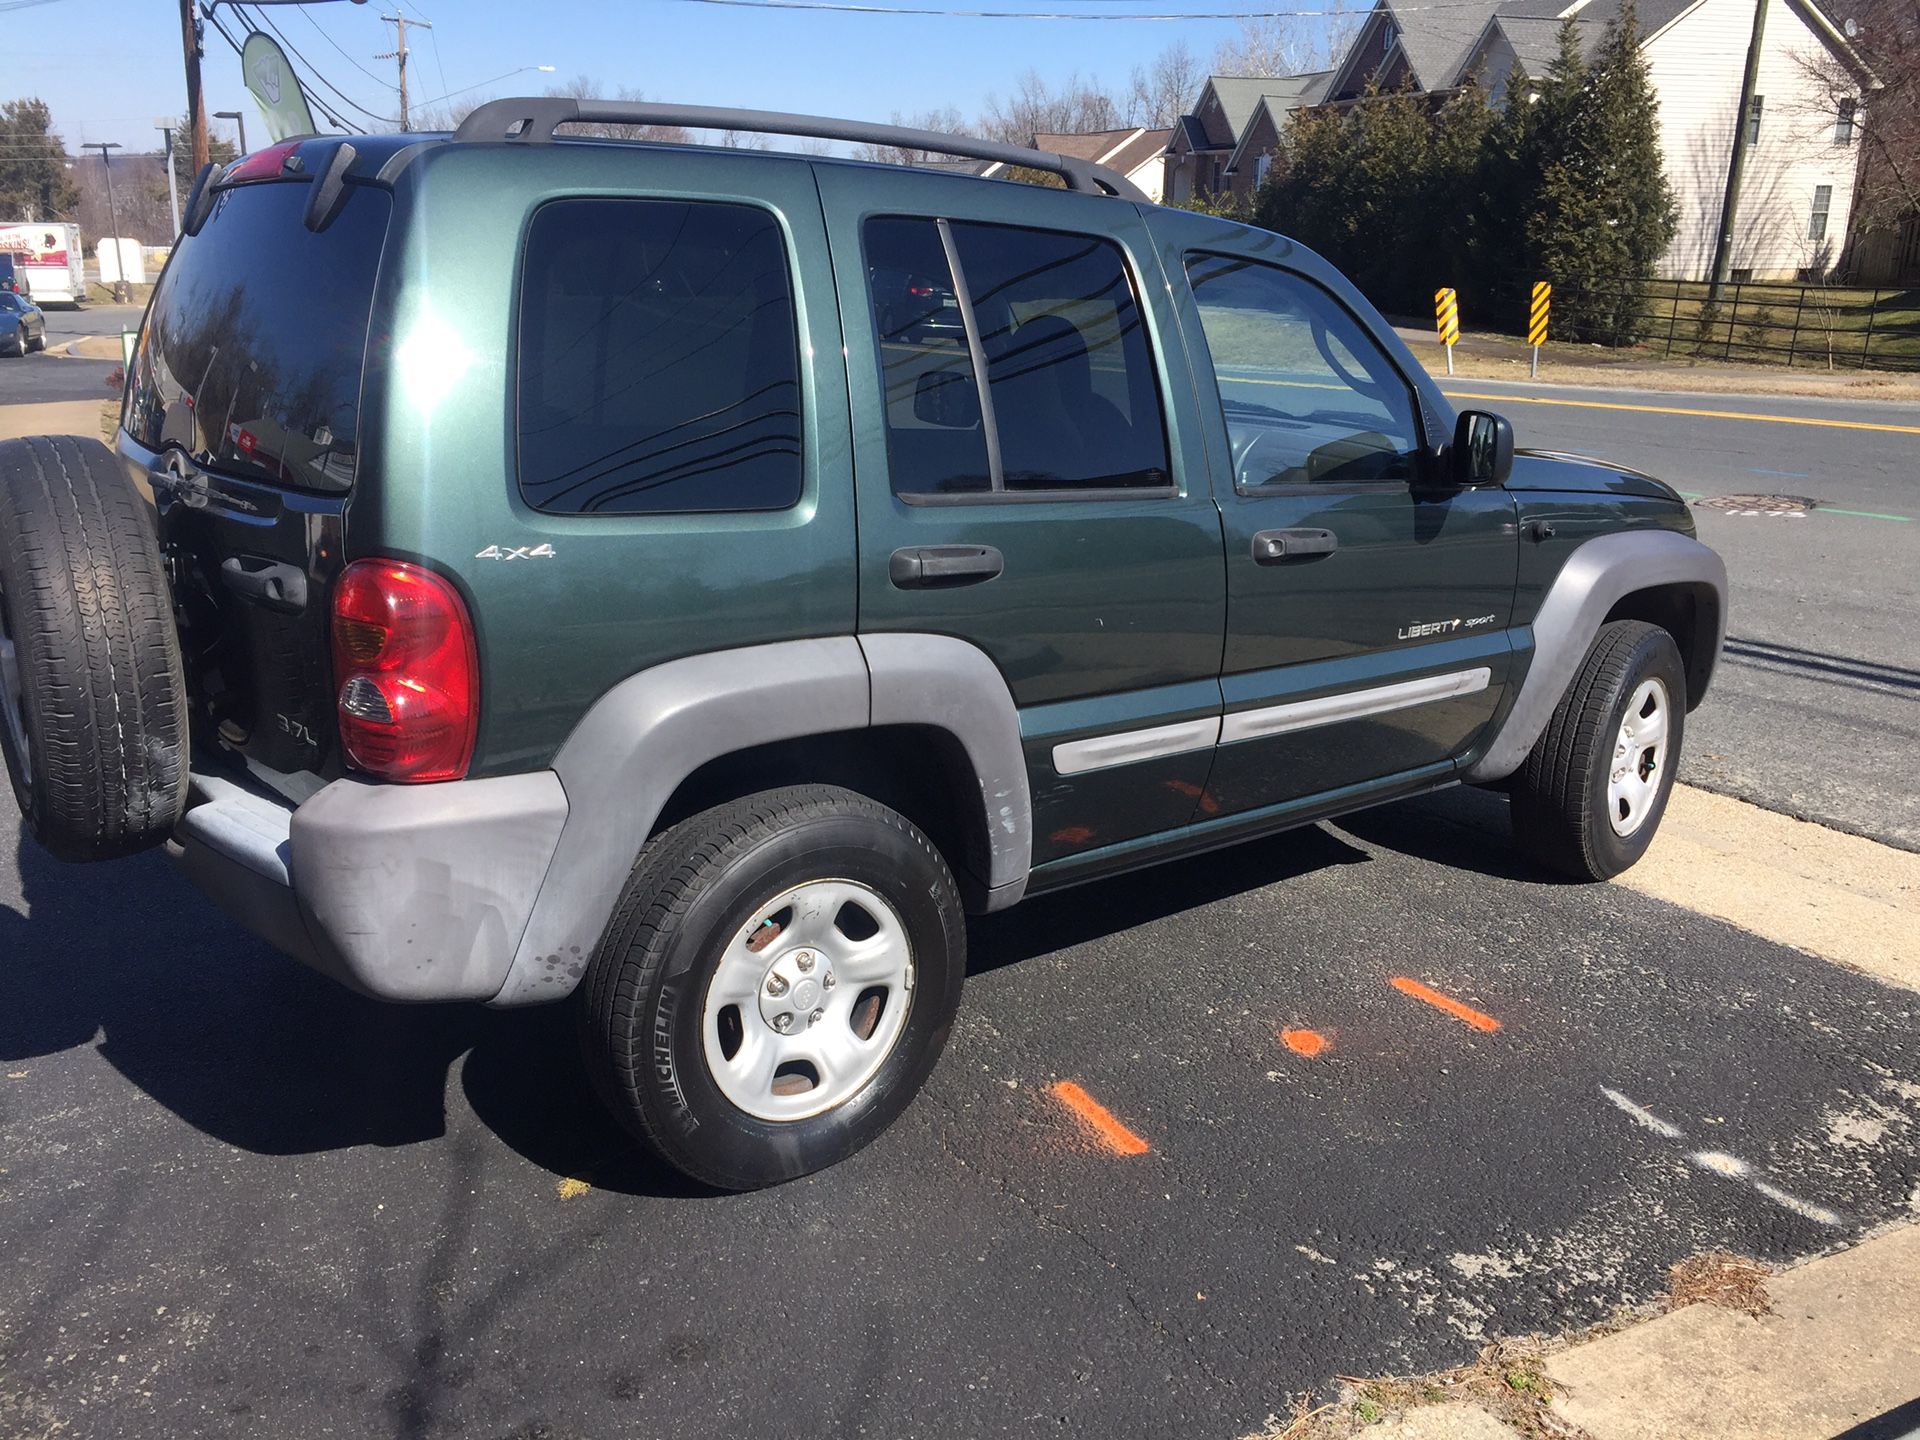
x,y
408,672
261,164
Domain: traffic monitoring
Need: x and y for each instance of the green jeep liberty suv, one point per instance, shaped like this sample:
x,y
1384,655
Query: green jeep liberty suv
x,y
697,579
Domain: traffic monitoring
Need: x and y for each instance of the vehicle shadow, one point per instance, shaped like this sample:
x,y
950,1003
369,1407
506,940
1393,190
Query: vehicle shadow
x,y
261,1053
1465,828
1106,907
258,1052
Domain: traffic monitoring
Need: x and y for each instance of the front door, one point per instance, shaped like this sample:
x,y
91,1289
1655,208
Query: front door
x,y
1025,480
1368,604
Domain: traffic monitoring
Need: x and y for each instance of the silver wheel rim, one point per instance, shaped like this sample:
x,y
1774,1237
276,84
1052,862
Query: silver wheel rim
x,y
808,1000
1639,758
13,700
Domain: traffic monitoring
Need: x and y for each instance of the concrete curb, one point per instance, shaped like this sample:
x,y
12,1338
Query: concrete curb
x,y
1840,1348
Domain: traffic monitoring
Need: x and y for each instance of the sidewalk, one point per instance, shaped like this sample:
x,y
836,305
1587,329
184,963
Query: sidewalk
x,y
58,417
1484,356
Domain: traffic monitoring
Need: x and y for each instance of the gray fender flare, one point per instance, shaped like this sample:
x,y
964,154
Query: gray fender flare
x,y
631,751
1595,578
947,684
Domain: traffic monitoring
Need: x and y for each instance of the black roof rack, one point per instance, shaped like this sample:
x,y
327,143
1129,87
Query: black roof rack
x,y
532,120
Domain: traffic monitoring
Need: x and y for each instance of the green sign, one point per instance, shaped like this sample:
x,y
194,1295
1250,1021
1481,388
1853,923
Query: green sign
x,y
270,77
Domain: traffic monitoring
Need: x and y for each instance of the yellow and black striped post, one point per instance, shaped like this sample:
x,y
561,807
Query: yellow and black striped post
x,y
1537,319
1446,313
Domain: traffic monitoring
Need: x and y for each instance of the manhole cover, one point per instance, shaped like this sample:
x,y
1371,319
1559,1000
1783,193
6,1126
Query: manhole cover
x,y
1759,504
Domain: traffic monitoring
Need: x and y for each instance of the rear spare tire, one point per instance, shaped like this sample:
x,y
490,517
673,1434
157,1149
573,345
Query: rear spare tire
x,y
93,717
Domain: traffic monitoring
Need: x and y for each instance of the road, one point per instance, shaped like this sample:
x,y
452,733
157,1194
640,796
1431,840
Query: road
x,y
238,1201
1813,709
51,376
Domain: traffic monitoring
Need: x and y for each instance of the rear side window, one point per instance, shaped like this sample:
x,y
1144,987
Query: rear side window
x,y
253,349
1050,323
658,361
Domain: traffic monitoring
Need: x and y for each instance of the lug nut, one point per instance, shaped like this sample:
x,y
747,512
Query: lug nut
x,y
776,986
783,1022
804,960
829,980
816,1017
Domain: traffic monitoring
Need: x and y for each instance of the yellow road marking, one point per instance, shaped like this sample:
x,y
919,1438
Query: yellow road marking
x,y
572,1189
1676,410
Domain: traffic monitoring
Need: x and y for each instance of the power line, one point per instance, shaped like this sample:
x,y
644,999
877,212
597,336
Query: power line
x,y
856,9
344,53
257,20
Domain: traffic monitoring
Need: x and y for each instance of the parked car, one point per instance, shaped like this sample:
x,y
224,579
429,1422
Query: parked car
x,y
573,575
22,326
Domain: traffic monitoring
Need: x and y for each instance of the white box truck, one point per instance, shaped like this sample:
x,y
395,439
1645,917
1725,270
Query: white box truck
x,y
47,260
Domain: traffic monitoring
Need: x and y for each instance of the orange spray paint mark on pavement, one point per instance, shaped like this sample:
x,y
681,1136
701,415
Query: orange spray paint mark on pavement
x,y
1305,1042
1098,1120
1447,1003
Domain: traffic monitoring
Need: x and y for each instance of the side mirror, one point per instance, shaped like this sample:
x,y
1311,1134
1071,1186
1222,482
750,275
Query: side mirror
x,y
1482,451
946,399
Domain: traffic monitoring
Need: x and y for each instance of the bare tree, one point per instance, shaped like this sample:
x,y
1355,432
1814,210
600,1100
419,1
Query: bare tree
x,y
1160,93
585,87
946,122
1036,108
1878,110
1287,44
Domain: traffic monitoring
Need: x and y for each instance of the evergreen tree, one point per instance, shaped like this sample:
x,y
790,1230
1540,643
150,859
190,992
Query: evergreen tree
x,y
1601,212
1637,200
34,181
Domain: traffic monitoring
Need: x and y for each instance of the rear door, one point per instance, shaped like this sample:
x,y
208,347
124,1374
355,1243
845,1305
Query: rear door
x,y
243,415
1368,603
1019,392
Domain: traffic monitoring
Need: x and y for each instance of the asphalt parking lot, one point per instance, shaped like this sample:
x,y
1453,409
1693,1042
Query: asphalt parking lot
x,y
49,375
240,1201
1366,1095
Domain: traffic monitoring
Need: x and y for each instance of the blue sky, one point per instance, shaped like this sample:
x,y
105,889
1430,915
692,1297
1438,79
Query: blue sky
x,y
110,67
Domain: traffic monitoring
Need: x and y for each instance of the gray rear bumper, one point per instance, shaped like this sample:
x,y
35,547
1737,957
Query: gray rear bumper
x,y
401,892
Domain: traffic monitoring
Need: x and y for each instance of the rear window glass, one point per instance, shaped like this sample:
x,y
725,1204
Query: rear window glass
x,y
659,369
1071,399
257,337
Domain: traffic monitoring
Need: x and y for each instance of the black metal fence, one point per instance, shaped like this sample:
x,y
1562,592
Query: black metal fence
x,y
1828,326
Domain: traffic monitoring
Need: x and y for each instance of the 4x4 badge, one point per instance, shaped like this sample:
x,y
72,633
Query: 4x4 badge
x,y
515,552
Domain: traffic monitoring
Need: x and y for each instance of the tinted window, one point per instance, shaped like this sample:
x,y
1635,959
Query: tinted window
x,y
1075,402
255,341
658,364
936,442
1071,399
1308,396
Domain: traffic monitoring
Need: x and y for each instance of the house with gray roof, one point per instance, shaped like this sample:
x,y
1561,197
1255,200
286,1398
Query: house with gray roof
x,y
1802,156
1208,153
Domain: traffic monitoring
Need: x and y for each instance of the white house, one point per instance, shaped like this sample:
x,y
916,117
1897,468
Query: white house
x,y
1135,152
1798,183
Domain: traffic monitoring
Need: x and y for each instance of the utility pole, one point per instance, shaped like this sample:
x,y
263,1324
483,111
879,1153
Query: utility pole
x,y
173,186
120,290
1737,161
399,53
196,102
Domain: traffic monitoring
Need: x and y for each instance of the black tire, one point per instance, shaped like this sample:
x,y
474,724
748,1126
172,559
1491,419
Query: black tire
x,y
40,341
1560,795
642,1003
94,727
